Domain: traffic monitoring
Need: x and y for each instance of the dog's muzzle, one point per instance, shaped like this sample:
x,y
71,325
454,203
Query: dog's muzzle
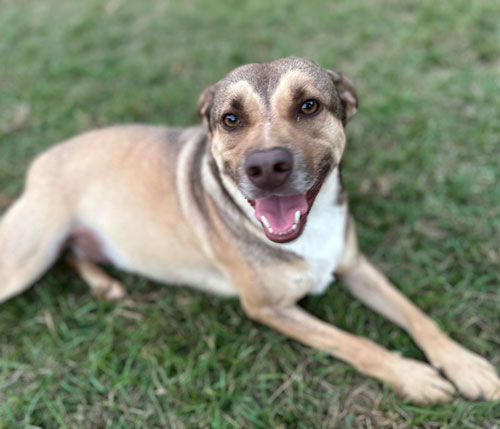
x,y
282,215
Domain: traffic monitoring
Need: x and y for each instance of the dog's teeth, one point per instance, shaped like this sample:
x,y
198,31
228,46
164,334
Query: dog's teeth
x,y
264,221
297,216
288,231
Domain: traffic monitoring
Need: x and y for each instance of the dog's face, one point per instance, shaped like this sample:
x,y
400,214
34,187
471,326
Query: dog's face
x,y
277,131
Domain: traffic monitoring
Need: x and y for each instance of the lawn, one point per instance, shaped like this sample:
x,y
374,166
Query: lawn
x,y
422,169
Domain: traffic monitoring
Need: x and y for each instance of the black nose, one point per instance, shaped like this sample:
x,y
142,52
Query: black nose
x,y
269,168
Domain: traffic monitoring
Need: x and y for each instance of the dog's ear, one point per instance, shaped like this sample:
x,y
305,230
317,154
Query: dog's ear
x,y
205,103
347,93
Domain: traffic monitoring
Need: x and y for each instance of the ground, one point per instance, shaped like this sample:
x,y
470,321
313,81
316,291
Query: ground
x,y
422,170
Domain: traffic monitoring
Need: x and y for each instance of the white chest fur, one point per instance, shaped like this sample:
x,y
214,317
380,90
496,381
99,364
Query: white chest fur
x,y
322,242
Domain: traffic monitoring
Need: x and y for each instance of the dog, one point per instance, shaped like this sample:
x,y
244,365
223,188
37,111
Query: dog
x,y
249,204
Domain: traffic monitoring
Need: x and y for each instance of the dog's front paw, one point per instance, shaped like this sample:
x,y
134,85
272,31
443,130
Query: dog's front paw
x,y
474,377
420,383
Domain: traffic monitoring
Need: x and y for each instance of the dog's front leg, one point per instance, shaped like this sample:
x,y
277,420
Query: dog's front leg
x,y
415,380
473,376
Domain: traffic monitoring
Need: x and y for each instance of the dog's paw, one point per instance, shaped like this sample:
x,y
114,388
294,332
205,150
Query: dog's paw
x,y
474,377
112,291
418,382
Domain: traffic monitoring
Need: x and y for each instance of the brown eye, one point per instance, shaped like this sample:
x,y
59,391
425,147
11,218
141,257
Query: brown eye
x,y
230,120
309,107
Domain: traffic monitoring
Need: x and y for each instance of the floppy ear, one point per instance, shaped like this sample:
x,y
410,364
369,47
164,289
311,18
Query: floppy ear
x,y
205,103
347,93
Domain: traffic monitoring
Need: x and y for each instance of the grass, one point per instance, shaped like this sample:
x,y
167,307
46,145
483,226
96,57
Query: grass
x,y
422,169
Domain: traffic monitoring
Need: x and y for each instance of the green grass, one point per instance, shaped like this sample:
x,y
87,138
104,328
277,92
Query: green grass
x,y
422,168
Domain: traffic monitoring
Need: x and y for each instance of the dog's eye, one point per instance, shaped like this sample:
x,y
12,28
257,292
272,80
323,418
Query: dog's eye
x,y
230,120
309,107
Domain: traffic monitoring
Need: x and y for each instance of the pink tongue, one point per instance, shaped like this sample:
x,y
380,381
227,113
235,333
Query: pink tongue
x,y
280,211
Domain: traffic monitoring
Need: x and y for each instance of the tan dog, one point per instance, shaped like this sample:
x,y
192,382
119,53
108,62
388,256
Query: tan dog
x,y
250,205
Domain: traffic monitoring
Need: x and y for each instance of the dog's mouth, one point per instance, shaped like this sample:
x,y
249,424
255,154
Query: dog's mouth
x,y
283,218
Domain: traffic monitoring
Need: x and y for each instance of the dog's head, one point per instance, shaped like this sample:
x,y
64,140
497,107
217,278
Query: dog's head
x,y
277,131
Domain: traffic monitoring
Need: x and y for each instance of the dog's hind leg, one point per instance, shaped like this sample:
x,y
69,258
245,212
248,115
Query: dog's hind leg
x,y
102,286
32,233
